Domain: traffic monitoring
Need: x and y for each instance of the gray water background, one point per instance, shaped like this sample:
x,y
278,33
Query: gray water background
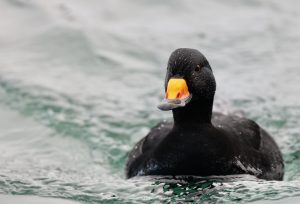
x,y
80,81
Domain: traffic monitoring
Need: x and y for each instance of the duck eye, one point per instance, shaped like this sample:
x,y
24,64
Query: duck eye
x,y
197,69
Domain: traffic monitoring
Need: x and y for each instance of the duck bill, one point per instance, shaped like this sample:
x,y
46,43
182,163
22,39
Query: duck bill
x,y
177,95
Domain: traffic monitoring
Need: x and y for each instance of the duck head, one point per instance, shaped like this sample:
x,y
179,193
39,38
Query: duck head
x,y
189,84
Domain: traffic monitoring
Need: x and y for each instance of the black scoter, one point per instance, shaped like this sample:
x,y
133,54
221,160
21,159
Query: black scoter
x,y
200,142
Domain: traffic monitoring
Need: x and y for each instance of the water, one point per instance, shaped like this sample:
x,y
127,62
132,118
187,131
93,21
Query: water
x,y
80,81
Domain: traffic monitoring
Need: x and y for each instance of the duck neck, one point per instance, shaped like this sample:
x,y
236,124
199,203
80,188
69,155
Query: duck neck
x,y
197,111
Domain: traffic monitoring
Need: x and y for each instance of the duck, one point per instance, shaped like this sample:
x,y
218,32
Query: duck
x,y
200,142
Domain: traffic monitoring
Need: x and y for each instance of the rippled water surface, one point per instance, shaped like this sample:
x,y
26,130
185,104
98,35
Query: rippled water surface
x,y
80,81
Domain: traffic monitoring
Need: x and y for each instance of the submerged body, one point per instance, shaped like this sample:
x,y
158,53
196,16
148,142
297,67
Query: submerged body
x,y
198,142
220,148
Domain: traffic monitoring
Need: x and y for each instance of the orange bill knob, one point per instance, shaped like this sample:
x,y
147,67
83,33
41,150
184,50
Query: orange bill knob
x,y
177,89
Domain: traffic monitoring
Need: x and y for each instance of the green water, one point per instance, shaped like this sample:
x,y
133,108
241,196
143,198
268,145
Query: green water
x,y
80,81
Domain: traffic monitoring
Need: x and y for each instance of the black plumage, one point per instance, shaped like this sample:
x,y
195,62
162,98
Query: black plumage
x,y
199,142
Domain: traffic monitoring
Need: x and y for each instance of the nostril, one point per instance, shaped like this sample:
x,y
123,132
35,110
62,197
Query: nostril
x,y
178,95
